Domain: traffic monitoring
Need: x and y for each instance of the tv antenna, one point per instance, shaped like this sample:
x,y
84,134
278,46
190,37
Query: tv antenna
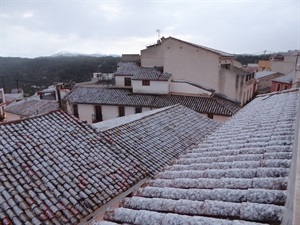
x,y
158,33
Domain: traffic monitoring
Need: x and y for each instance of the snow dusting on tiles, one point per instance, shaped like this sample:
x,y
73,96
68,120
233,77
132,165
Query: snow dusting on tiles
x,y
57,170
237,175
123,97
32,107
156,139
140,73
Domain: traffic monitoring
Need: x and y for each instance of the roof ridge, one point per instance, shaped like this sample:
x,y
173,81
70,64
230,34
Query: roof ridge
x,y
279,92
31,117
147,116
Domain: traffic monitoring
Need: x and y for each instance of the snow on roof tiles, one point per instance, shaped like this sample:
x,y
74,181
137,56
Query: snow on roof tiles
x,y
57,170
237,175
158,138
123,97
140,73
32,107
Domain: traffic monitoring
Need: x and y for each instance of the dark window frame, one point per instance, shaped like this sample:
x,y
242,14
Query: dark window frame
x,y
127,81
146,82
138,110
75,110
210,115
121,111
98,114
278,87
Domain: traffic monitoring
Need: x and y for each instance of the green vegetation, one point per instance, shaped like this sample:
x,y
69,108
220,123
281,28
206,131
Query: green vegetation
x,y
245,59
44,71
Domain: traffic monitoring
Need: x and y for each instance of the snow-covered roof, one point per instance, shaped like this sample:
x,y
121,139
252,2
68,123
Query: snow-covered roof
x,y
32,107
287,79
116,122
140,73
123,97
261,74
237,175
55,169
158,138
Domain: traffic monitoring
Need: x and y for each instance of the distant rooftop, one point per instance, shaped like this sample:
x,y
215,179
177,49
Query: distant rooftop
x,y
123,97
140,73
287,79
32,107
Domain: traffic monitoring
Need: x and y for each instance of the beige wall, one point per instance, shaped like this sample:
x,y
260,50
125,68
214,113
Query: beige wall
x,y
11,116
264,64
152,56
196,65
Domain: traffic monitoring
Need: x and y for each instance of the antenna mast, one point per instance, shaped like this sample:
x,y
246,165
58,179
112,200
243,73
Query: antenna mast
x,y
158,33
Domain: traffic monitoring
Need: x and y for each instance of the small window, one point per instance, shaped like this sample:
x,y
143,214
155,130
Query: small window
x,y
278,87
226,66
146,82
75,111
98,114
121,111
127,81
138,109
285,87
210,115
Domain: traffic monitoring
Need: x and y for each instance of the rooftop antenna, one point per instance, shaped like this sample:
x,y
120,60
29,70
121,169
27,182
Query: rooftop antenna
x,y
158,33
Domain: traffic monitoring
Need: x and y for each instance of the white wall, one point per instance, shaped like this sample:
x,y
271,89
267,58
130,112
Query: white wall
x,y
109,112
155,87
187,89
85,112
120,81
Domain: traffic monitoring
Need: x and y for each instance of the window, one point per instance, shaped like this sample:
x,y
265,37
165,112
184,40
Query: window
x,y
127,81
278,87
226,66
75,111
138,109
285,87
121,111
146,82
210,115
98,114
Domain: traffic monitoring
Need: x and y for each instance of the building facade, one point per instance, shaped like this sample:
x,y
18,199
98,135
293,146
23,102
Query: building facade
x,y
201,65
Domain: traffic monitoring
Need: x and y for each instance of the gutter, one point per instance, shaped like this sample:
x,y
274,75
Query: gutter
x,y
101,211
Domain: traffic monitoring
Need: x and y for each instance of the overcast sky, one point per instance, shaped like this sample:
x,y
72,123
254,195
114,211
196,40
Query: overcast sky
x,y
32,28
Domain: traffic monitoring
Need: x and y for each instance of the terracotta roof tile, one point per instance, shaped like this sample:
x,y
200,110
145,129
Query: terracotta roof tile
x,y
32,107
57,170
237,175
114,96
140,73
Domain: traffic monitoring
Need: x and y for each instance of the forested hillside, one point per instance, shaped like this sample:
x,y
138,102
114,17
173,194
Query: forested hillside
x,y
44,71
